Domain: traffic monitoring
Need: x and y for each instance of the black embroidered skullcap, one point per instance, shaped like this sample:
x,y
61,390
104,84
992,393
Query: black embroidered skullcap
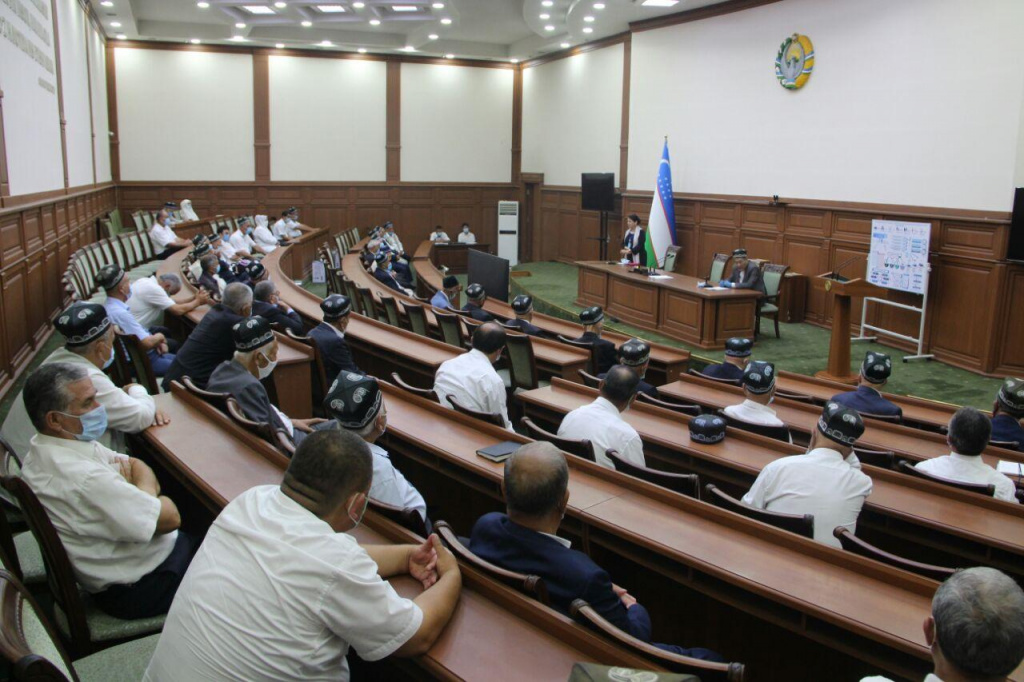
x,y
707,428
213,237
739,253
475,292
759,377
82,323
450,282
1011,395
739,348
244,220
877,367
634,353
522,304
354,399
840,423
335,307
252,333
202,250
255,271
382,256
170,204
592,315
109,276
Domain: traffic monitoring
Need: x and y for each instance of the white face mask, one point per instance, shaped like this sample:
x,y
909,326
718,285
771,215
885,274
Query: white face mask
x,y
265,371
357,521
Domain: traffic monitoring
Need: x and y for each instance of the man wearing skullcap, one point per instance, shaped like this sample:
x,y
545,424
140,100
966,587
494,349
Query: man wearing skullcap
x,y
114,280
356,403
392,240
165,241
522,306
636,354
447,296
151,298
826,482
254,360
471,379
745,275
737,355
329,336
439,236
601,421
867,399
758,392
708,429
968,436
399,261
241,238
1007,411
592,319
210,281
384,272
475,299
288,226
89,343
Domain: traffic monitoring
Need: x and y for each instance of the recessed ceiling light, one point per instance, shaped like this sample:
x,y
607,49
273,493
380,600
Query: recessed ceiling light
x,y
549,27
240,24
325,43
115,24
433,36
588,19
408,48
659,3
438,5
238,39
330,9
598,5
404,8
587,29
107,3
362,50
547,3
514,60
307,24
280,5
564,45
202,5
449,56
195,41
358,5
446,21
374,22
279,46
258,9
545,16
121,36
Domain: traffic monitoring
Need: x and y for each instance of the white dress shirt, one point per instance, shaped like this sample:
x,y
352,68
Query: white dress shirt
x,y
967,469
275,594
226,249
442,237
467,238
280,229
474,383
241,241
753,413
264,238
389,485
820,483
149,301
932,677
601,424
161,236
107,525
395,243
129,412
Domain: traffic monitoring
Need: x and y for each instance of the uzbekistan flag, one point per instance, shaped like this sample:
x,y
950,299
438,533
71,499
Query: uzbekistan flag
x,y
661,227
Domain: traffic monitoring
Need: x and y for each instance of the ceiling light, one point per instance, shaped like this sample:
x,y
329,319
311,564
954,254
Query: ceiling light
x,y
115,24
404,8
446,21
107,3
659,3
202,5
598,5
587,29
358,5
195,41
433,36
514,60
307,24
330,9
449,56
438,5
280,5
549,27
325,43
374,22
408,48
238,39
564,46
258,9
121,36
545,16
547,3
240,24
362,50
279,46
589,20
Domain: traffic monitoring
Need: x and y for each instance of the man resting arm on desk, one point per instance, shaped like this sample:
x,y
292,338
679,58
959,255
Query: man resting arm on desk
x,y
745,275
279,590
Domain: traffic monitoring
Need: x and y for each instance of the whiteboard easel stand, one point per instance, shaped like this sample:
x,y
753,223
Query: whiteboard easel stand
x,y
920,332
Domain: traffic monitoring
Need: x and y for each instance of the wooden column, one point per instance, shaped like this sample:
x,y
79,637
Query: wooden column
x,y
517,124
115,151
5,183
60,93
393,135
261,114
627,49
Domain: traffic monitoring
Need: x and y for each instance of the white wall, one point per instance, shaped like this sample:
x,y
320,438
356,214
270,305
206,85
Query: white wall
x,y
572,116
74,72
915,102
456,124
327,119
100,118
184,116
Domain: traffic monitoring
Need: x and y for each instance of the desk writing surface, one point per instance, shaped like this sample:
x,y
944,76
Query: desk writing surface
x,y
674,281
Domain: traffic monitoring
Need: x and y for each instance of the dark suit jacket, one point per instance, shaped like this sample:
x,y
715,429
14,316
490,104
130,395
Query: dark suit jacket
x,y
526,327
1005,428
477,313
567,573
607,355
723,371
209,344
644,387
389,279
751,278
333,350
207,281
638,247
231,377
868,400
273,313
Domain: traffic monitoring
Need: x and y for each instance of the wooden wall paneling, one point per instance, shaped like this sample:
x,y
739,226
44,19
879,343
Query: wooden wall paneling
x,y
261,114
975,240
5,181
589,247
766,245
712,240
807,256
1010,357
36,304
12,288
963,303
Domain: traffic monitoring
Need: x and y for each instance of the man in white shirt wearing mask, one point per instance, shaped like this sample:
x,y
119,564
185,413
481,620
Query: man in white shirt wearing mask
x,y
601,421
265,240
230,622
119,532
471,379
241,239
465,236
826,482
759,392
165,241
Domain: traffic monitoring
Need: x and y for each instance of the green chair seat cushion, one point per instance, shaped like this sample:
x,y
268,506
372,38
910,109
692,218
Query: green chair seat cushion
x,y
30,557
122,663
103,627
769,308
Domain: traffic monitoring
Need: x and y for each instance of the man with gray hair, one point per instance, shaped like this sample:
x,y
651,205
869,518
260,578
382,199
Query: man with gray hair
x,y
210,342
151,298
267,304
976,628
525,540
120,533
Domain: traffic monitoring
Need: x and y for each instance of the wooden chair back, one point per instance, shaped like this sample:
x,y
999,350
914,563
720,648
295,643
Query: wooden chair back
x,y
888,418
391,311
580,448
417,318
407,518
692,410
427,393
591,348
776,432
717,271
852,543
685,484
521,361
772,274
672,261
706,671
531,585
801,524
799,397
589,380
730,382
214,398
321,382
138,362
988,490
489,417
1009,444
451,328
886,459
28,642
368,305
262,429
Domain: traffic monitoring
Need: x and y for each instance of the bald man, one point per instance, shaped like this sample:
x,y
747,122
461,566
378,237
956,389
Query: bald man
x,y
536,491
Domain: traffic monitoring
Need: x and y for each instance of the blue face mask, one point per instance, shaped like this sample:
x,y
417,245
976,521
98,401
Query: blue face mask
x,y
248,231
94,423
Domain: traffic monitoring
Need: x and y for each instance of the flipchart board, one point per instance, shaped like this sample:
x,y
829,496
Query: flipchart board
x,y
899,255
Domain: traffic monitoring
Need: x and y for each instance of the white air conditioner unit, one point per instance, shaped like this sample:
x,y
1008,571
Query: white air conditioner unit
x,y
508,231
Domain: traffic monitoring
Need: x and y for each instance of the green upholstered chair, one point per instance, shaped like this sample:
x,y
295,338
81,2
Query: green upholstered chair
x,y
140,223
391,311
417,318
769,306
717,271
451,328
522,363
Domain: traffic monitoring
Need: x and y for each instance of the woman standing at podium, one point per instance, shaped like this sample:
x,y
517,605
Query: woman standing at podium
x,y
634,242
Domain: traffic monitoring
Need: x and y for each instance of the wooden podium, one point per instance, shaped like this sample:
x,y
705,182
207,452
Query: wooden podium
x,y
839,347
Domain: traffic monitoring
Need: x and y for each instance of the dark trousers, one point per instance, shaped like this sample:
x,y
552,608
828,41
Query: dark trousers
x,y
172,344
153,593
168,251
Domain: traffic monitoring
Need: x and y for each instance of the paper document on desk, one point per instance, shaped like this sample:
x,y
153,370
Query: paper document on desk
x,y
659,276
1010,468
714,288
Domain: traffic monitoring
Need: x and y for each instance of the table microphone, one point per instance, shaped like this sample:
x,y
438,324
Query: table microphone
x,y
835,273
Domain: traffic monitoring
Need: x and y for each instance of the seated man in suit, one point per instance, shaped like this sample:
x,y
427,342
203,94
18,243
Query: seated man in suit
x,y
384,272
867,399
525,540
826,482
968,435
471,379
445,298
976,628
522,305
230,620
114,280
329,336
210,282
758,392
1007,412
475,299
267,304
210,342
636,354
737,355
256,272
254,360
601,421
745,275
356,404
592,319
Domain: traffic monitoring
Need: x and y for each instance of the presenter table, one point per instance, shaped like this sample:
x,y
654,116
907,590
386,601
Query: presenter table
x,y
672,304
455,256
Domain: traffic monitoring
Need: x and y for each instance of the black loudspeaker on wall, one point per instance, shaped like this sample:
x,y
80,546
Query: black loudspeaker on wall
x,y
598,191
1016,250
